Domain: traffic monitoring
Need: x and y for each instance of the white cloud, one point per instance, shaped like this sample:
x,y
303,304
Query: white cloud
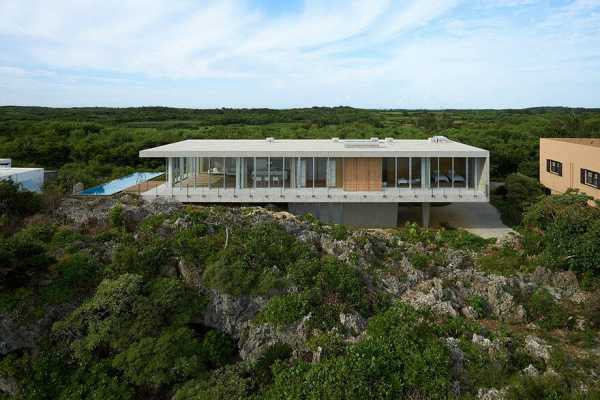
x,y
364,53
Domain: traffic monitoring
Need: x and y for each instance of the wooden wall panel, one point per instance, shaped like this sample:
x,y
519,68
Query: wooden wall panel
x,y
350,183
374,175
362,174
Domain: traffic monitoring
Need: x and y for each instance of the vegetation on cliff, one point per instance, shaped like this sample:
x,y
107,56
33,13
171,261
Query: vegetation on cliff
x,y
121,299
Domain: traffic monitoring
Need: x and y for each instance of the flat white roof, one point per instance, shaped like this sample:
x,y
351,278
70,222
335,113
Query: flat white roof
x,y
14,171
314,148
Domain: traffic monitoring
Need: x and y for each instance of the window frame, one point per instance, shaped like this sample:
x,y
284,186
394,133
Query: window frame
x,y
595,176
554,167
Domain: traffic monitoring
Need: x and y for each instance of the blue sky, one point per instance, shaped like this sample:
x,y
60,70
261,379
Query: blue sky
x,y
280,54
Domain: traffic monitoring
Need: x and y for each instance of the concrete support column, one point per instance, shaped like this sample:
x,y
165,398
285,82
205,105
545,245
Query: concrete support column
x,y
425,208
170,177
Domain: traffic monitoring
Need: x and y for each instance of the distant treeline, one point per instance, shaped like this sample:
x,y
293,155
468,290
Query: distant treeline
x,y
93,144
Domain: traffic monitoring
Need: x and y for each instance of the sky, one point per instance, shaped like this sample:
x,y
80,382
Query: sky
x,y
282,54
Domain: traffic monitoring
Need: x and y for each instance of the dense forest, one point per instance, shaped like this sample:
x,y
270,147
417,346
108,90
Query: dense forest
x,y
92,144
117,298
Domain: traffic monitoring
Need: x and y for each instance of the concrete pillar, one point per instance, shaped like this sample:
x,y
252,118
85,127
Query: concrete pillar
x,y
170,177
425,208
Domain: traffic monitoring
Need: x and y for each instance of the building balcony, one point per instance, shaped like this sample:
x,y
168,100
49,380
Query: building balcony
x,y
183,193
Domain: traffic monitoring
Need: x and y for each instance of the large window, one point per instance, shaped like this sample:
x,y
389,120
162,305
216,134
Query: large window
x,y
320,172
276,172
231,172
216,172
304,172
554,167
248,173
262,172
202,176
403,172
445,171
459,172
388,173
590,178
288,176
416,165
335,172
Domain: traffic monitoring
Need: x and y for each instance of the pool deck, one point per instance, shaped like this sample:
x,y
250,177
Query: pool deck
x,y
143,187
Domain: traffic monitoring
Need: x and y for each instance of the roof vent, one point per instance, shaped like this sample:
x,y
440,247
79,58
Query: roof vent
x,y
374,139
361,143
335,139
270,139
439,139
389,139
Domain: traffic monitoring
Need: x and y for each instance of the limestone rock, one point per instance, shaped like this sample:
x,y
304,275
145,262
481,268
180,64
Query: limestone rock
x,y
537,347
491,394
353,322
9,386
230,314
531,371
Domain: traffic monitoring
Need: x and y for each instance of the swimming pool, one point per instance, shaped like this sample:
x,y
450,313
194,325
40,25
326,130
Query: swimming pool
x,y
117,185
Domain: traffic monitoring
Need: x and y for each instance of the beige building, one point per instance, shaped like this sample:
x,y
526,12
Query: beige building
x,y
571,163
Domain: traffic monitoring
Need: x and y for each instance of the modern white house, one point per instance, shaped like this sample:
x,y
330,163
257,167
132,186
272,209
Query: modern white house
x,y
29,178
358,182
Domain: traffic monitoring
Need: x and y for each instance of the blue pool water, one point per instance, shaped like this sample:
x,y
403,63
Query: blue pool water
x,y
117,185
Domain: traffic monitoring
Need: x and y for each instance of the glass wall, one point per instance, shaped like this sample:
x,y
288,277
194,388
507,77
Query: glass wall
x,y
445,171
459,172
323,172
416,165
216,172
403,172
335,172
434,170
471,173
288,168
320,172
276,172
248,173
304,172
388,173
231,174
261,173
201,178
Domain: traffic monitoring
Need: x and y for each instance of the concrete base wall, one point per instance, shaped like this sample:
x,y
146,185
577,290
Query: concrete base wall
x,y
368,215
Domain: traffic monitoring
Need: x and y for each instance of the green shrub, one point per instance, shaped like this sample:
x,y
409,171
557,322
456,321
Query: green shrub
x,y
505,260
255,261
218,349
175,356
547,387
22,257
521,191
284,310
339,232
481,306
400,357
125,310
566,230
542,308
148,258
115,216
331,344
262,368
16,203
226,383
